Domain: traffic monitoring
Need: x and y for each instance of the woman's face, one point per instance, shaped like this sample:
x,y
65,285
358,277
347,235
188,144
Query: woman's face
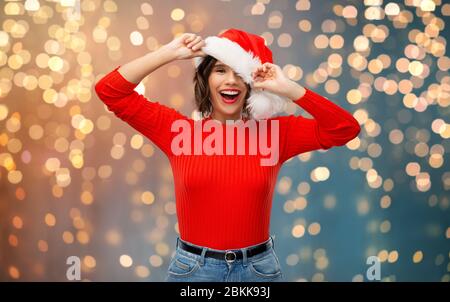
x,y
228,92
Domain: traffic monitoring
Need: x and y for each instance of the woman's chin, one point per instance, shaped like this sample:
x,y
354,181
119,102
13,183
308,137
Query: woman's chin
x,y
230,113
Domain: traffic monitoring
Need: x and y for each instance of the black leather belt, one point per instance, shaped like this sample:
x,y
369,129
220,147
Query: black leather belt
x,y
228,256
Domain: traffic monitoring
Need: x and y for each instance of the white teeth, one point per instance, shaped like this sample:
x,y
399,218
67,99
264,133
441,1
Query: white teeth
x,y
230,92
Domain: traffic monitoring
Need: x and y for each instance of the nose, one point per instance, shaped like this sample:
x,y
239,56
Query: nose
x,y
231,77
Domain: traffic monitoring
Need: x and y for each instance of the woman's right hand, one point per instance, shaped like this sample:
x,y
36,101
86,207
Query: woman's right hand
x,y
186,46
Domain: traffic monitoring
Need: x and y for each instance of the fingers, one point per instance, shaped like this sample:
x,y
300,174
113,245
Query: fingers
x,y
258,71
188,38
264,68
194,42
199,45
261,71
268,67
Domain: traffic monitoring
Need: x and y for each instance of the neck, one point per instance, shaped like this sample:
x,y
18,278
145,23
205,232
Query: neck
x,y
223,118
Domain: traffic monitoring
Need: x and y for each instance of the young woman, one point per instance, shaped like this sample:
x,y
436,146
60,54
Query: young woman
x,y
224,198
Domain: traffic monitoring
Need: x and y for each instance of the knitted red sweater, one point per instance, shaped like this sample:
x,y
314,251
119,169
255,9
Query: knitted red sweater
x,y
224,201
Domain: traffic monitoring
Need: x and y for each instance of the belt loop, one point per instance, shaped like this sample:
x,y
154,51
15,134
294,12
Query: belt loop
x,y
273,242
244,257
178,241
202,256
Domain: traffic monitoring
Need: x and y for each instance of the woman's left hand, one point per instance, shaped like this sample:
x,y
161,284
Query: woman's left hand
x,y
270,77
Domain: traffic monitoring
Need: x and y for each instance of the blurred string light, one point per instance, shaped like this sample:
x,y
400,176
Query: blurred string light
x,y
59,154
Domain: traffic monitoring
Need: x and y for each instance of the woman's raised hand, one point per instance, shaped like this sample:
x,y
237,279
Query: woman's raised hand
x,y
186,46
270,77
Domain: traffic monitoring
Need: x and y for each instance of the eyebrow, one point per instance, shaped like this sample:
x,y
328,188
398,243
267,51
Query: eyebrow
x,y
220,65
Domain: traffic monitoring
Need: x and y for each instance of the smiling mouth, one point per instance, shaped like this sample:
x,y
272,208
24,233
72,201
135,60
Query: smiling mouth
x,y
228,98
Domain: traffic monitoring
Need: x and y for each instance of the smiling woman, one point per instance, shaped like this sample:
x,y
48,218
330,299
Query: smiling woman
x,y
224,199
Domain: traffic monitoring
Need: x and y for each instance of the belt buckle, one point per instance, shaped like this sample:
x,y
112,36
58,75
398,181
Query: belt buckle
x,y
229,254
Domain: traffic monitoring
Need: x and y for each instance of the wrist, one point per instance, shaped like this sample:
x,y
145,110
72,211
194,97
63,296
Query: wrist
x,y
294,91
167,54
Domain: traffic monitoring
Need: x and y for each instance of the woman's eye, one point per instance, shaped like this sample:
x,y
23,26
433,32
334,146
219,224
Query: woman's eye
x,y
220,70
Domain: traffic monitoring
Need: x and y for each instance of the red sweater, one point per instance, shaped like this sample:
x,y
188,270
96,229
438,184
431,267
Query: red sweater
x,y
224,201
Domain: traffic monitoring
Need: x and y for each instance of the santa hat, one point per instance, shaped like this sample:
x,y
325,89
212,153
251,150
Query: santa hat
x,y
244,52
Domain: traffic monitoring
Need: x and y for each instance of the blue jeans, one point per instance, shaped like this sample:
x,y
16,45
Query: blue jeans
x,y
190,267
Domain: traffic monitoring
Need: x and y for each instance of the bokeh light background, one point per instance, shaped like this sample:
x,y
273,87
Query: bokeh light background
x,y
77,181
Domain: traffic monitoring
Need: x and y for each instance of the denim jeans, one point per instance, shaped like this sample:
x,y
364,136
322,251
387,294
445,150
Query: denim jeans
x,y
189,267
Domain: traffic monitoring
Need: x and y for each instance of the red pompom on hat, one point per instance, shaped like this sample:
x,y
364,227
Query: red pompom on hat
x,y
244,52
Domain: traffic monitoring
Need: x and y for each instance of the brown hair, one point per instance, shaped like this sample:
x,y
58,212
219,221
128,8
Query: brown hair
x,y
201,87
